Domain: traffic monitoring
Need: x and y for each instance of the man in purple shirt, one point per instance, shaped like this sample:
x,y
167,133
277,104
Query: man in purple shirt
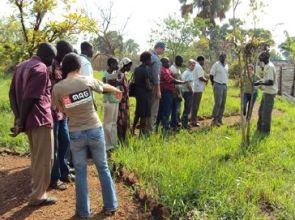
x,y
30,101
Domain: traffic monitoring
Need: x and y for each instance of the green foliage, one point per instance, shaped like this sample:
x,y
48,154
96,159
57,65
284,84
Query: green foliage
x,y
211,9
288,47
33,23
178,34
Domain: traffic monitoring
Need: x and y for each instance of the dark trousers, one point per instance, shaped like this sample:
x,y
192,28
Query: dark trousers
x,y
196,100
175,116
264,113
61,150
187,96
165,109
220,93
247,103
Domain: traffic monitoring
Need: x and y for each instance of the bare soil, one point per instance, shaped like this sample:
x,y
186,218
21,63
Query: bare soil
x,y
15,189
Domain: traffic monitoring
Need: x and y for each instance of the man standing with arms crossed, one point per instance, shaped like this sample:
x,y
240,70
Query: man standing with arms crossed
x,y
219,80
155,76
30,101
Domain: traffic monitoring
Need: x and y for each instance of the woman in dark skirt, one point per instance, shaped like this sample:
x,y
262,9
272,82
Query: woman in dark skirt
x,y
143,93
123,113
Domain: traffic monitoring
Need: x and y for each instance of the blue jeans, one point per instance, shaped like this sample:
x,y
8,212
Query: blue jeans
x,y
247,102
175,111
188,97
165,109
81,141
60,167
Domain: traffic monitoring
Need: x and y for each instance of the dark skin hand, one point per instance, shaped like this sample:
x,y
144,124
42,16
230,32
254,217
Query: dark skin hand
x,y
203,79
26,107
212,79
265,83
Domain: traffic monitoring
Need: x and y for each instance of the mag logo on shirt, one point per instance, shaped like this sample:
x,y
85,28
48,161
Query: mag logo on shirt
x,y
77,98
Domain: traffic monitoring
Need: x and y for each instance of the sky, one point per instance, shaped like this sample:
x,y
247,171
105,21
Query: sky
x,y
278,16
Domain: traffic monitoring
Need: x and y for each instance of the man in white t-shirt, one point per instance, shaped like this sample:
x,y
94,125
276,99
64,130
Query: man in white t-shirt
x,y
269,85
199,83
219,80
86,55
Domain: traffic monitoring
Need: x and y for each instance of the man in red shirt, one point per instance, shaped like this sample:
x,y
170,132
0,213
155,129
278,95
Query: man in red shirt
x,y
167,85
30,101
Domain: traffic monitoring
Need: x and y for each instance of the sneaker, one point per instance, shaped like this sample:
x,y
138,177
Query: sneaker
x,y
58,185
44,202
68,179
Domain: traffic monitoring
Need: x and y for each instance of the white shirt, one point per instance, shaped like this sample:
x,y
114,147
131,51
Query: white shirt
x,y
269,73
86,67
198,72
187,76
175,70
219,73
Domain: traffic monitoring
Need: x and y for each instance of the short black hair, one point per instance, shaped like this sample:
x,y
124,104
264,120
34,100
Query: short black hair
x,y
111,61
200,58
63,48
70,63
85,46
46,52
178,58
145,56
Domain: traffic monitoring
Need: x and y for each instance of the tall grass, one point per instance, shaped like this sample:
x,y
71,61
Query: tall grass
x,y
206,171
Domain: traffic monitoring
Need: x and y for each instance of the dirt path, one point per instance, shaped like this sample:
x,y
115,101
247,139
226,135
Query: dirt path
x,y
15,188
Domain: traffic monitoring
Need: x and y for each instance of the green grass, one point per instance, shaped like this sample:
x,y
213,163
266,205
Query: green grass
x,y
205,173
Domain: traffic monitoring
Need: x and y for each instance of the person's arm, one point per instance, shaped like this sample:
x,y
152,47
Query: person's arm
x,y
12,99
156,70
203,79
212,74
268,81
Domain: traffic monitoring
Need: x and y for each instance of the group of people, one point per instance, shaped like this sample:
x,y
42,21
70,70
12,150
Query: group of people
x,y
52,98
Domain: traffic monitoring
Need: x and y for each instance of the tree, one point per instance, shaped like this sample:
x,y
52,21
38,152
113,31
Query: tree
x,y
130,47
178,34
210,9
37,25
288,47
108,43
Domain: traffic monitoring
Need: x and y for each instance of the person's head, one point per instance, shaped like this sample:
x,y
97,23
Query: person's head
x,y
159,48
87,49
201,60
250,68
165,62
70,63
191,64
46,52
178,61
112,64
146,58
63,48
125,64
264,57
222,57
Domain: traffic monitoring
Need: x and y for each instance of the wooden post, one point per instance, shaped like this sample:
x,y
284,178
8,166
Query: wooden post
x,y
281,81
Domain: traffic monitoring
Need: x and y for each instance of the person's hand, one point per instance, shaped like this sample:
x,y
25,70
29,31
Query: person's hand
x,y
17,129
158,94
118,95
258,83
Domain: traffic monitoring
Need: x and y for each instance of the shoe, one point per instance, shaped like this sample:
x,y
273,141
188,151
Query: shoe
x,y
214,123
68,179
72,170
44,202
58,185
109,212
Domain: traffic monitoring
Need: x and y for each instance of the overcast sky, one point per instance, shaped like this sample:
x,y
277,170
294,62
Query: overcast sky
x,y
278,16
